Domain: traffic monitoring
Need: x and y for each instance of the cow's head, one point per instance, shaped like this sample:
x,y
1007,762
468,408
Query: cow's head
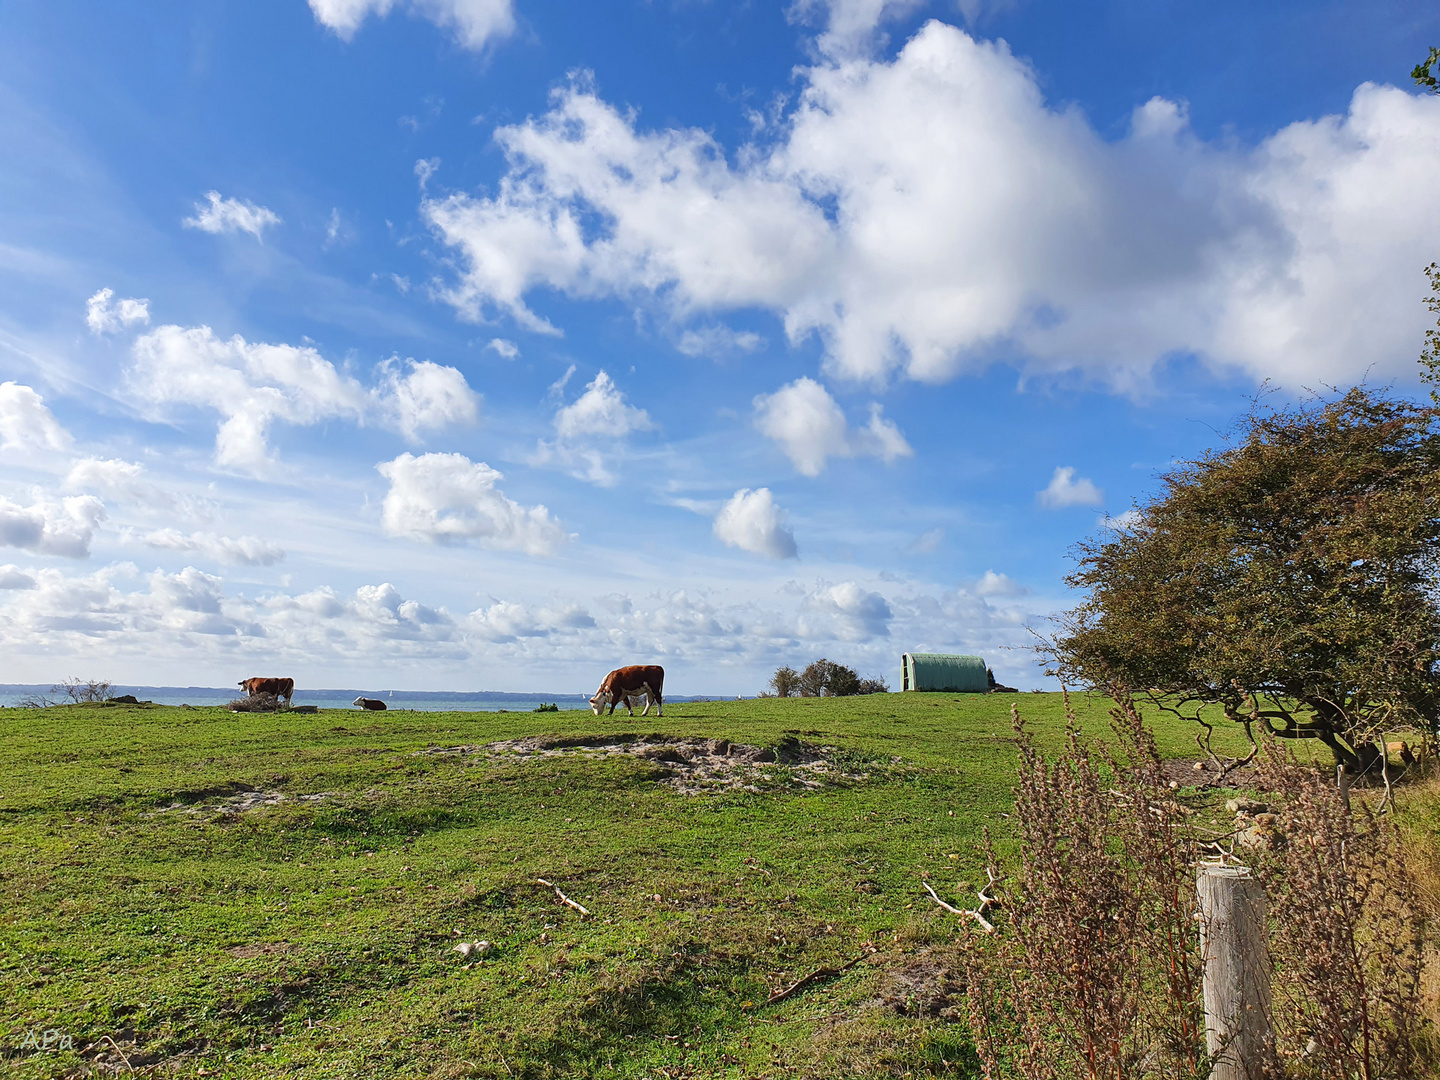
x,y
358,701
601,699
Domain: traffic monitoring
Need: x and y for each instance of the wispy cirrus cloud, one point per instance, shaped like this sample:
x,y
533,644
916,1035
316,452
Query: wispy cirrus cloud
x,y
229,215
474,23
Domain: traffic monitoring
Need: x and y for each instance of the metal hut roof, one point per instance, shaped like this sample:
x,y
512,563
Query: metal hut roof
x,y
943,672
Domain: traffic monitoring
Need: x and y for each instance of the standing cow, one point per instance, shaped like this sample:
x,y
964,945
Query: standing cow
x,y
281,688
624,683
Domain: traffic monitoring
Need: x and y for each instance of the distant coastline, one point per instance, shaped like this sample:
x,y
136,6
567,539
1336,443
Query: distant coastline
x,y
420,700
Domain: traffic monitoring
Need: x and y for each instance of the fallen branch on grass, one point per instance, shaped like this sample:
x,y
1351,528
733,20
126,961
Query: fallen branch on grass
x,y
978,914
814,977
563,898
936,898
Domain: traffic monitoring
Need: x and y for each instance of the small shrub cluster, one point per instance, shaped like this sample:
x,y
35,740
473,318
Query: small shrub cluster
x,y
261,702
71,691
823,678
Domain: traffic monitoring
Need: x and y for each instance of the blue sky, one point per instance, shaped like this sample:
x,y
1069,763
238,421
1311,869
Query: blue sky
x,y
491,344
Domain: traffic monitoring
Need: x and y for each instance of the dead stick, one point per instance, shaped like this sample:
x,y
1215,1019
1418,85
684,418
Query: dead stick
x,y
985,924
123,1058
947,907
813,977
563,898
978,916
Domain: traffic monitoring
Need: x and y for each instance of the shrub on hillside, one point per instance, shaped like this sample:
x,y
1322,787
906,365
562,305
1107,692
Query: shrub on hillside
x,y
261,702
785,682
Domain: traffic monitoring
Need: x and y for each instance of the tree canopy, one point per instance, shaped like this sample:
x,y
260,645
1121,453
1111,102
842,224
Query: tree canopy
x,y
1289,578
1421,72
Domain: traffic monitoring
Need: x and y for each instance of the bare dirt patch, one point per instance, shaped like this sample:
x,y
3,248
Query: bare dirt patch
x,y
241,802
249,952
929,984
125,1053
1190,772
695,765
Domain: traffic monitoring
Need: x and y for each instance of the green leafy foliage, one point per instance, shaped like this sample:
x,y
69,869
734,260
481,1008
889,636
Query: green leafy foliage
x,y
1430,352
1288,578
1421,72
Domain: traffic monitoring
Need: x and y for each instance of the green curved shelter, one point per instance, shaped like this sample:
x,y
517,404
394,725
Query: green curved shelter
x,y
944,672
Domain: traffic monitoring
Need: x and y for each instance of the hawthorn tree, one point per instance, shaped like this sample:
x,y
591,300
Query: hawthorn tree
x,y
1290,578
825,678
785,682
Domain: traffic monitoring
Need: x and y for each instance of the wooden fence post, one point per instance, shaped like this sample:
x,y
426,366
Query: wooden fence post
x,y
1237,974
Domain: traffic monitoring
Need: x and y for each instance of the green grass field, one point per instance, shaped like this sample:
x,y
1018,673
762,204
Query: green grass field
x,y
316,936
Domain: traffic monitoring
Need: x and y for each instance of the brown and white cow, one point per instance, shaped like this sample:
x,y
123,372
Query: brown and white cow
x,y
624,683
371,703
281,688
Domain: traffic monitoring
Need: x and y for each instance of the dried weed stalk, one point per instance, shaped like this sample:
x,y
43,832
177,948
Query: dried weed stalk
x,y
1095,972
1347,932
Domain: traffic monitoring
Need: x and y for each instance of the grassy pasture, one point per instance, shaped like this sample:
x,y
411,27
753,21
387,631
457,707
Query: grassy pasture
x,y
315,937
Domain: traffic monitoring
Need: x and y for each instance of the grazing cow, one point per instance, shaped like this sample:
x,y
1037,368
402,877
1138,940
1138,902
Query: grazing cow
x,y
281,688
374,704
624,683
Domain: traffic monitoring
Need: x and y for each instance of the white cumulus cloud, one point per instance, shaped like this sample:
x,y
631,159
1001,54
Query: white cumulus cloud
x,y
252,385
752,521
472,22
228,215
846,612
811,428
428,396
64,527
966,215
1065,490
850,25
508,350
506,621
14,579
992,583
25,422
447,498
590,432
104,317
